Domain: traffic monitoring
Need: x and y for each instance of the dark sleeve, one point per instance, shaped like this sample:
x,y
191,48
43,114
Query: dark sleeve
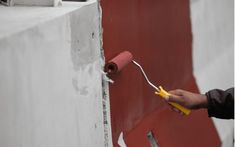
x,y
221,103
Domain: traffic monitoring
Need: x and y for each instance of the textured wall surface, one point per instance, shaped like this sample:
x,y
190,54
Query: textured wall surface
x,y
37,2
158,33
50,77
213,52
32,2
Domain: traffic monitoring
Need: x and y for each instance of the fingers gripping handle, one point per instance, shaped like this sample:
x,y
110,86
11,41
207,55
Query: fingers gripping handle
x,y
181,108
166,95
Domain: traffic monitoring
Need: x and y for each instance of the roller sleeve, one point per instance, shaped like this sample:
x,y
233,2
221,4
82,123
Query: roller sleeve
x,y
116,64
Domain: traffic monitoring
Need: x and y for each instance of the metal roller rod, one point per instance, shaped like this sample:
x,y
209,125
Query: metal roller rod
x,y
145,76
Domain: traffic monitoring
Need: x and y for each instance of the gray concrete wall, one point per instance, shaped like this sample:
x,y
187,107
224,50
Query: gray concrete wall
x,y
50,77
32,2
36,2
213,52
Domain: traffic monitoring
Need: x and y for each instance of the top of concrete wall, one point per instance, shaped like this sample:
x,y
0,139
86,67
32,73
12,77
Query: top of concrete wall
x,y
31,2
20,18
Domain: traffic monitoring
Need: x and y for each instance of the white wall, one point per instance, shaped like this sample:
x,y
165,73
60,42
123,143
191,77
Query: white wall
x,y
213,52
50,77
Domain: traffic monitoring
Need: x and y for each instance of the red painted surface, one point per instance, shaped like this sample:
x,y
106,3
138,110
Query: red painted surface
x,y
158,34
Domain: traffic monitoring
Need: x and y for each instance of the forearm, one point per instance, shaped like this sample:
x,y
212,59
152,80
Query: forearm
x,y
221,103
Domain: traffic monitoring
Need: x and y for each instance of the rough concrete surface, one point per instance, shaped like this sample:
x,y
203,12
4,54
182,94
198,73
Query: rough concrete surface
x,y
50,77
35,2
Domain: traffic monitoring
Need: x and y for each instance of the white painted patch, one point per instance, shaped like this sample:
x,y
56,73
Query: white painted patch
x,y
213,52
121,141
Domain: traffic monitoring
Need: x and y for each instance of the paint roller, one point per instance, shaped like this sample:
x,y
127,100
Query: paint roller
x,y
116,64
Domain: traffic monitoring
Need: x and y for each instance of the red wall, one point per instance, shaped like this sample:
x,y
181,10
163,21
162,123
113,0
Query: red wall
x,y
158,34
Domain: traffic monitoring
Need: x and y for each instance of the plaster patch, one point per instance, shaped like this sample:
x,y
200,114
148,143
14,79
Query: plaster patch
x,y
84,42
85,77
81,90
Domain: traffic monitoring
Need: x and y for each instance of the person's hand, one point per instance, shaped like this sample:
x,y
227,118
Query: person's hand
x,y
188,99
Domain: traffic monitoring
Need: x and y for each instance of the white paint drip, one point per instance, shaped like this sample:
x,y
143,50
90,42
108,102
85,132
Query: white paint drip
x,y
121,141
106,78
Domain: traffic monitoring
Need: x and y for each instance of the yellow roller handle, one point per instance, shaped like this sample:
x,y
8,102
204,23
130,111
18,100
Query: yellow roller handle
x,y
165,94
